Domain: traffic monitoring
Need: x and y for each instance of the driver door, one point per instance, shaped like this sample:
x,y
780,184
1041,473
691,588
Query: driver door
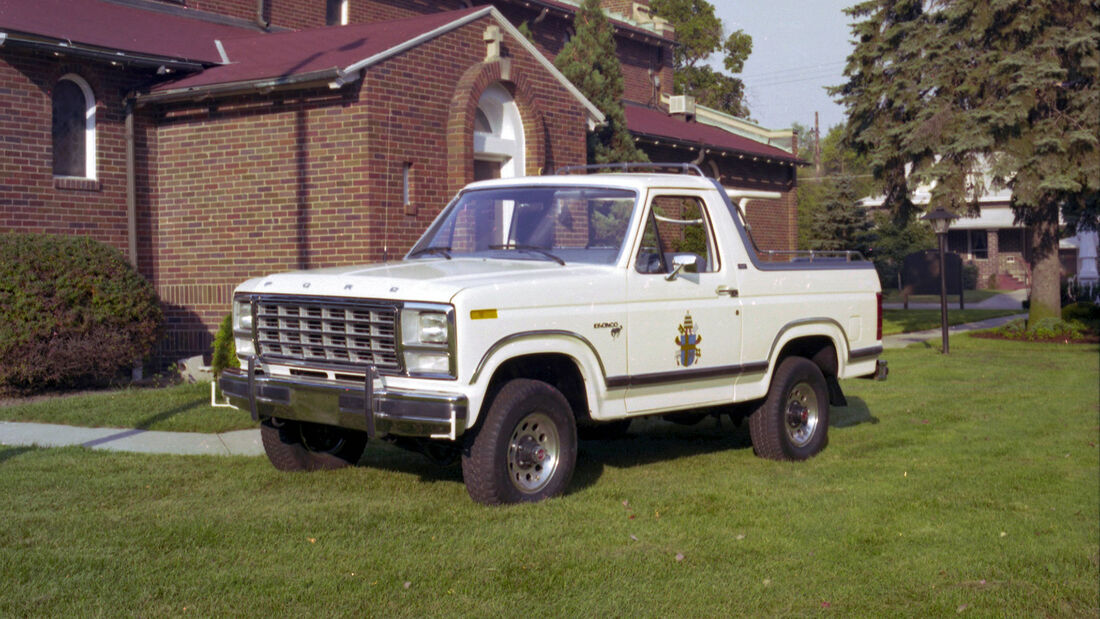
x,y
684,318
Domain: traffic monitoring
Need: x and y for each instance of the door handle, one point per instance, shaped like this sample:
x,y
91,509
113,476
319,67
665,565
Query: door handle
x,y
726,290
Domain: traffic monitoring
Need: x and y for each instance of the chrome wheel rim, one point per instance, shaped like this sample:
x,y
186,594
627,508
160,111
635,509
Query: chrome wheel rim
x,y
533,452
802,413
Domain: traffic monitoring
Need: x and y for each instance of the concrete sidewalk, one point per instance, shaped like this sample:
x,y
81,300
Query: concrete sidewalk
x,y
902,340
1009,300
239,443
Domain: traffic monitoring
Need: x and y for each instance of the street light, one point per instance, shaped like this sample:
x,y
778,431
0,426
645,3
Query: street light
x,y
941,220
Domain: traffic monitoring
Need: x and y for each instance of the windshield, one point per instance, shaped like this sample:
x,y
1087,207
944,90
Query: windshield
x,y
560,224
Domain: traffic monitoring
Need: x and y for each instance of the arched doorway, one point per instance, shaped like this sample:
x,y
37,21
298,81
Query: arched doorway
x,y
498,136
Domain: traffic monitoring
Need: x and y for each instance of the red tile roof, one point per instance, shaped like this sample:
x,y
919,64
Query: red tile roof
x,y
646,121
289,54
116,27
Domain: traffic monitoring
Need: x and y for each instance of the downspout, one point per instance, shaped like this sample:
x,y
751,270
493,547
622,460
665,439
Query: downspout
x,y
260,20
131,180
136,374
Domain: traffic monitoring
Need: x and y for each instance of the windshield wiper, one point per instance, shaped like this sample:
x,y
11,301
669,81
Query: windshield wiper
x,y
531,248
432,250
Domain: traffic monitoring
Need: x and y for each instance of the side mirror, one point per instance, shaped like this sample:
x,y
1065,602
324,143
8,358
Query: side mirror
x,y
679,261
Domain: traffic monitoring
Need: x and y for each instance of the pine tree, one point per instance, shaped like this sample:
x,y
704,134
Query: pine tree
x,y
951,87
841,224
589,61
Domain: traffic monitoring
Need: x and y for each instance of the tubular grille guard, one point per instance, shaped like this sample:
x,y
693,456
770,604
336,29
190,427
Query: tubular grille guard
x,y
314,331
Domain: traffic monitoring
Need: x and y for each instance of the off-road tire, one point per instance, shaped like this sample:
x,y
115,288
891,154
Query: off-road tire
x,y
525,449
793,421
301,446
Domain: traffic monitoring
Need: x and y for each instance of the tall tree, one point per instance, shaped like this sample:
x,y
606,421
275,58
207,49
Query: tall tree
x,y
962,90
841,223
590,62
700,34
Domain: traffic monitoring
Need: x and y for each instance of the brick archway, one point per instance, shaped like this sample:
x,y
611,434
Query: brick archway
x,y
460,123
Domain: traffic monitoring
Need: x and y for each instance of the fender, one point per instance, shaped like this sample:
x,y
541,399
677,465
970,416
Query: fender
x,y
818,326
551,341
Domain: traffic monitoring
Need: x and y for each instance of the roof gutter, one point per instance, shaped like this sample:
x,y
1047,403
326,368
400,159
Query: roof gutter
x,y
64,47
715,149
325,77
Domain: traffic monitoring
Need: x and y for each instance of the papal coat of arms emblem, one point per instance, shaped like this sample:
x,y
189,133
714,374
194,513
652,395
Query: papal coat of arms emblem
x,y
688,341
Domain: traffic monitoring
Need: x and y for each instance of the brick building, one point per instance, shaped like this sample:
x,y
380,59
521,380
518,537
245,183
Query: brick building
x,y
216,140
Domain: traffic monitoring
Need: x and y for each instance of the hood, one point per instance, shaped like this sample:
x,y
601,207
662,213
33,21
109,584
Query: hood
x,y
435,280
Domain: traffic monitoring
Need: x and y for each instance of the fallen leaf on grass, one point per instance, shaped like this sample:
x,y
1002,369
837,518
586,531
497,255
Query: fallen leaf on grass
x,y
825,605
962,608
312,540
633,537
679,556
740,536
408,584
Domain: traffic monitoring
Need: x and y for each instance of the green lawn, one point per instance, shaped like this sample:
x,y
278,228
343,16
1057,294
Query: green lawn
x,y
896,321
182,408
966,483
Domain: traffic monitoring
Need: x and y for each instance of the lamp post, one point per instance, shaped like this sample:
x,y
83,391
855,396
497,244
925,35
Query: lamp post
x,y
941,220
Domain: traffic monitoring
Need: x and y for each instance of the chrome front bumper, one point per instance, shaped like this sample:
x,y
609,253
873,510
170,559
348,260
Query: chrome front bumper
x,y
368,408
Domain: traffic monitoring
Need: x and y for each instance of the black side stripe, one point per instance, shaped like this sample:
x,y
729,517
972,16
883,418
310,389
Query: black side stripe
x,y
660,378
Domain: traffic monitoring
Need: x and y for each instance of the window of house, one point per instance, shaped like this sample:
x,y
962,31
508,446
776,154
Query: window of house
x,y
73,128
972,244
336,12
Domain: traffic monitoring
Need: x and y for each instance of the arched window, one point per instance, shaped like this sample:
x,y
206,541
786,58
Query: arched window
x,y
73,128
498,136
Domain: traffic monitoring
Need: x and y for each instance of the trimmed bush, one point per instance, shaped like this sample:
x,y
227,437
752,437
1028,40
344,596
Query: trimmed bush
x,y
1083,312
225,348
73,313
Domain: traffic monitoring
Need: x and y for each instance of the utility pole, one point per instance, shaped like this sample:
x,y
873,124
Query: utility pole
x,y
817,147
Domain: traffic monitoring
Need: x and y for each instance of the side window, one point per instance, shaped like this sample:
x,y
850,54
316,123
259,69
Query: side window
x,y
676,225
73,128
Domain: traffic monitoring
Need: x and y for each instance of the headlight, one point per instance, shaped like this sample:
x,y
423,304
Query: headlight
x,y
426,339
420,327
242,314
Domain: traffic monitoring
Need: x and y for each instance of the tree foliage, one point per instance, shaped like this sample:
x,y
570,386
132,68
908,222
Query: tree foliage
x,y
841,223
589,61
968,95
700,34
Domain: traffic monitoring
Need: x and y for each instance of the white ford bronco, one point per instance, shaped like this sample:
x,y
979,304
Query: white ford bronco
x,y
536,310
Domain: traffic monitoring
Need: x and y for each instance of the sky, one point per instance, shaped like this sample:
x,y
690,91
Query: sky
x,y
798,48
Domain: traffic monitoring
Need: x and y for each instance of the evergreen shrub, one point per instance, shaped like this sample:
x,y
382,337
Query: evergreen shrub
x,y
73,313
225,348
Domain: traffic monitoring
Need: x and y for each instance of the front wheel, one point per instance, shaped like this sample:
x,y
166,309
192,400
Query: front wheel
x,y
301,446
793,421
525,448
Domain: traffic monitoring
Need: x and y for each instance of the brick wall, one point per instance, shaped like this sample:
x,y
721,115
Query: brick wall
x,y
31,199
254,185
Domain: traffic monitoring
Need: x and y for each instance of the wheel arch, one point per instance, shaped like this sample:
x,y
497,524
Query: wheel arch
x,y
821,341
565,361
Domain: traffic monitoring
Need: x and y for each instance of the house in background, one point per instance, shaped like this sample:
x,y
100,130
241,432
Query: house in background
x,y
212,141
1000,247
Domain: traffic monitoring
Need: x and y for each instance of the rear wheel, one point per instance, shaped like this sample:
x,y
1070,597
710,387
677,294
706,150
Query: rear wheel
x,y
793,421
301,446
525,448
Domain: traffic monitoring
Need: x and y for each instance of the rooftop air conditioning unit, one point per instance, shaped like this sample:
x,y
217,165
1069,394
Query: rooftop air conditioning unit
x,y
681,104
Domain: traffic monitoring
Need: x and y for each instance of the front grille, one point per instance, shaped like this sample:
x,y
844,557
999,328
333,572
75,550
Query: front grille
x,y
316,331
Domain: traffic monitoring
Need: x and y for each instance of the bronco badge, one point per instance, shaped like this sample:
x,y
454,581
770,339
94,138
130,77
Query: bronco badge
x,y
688,341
